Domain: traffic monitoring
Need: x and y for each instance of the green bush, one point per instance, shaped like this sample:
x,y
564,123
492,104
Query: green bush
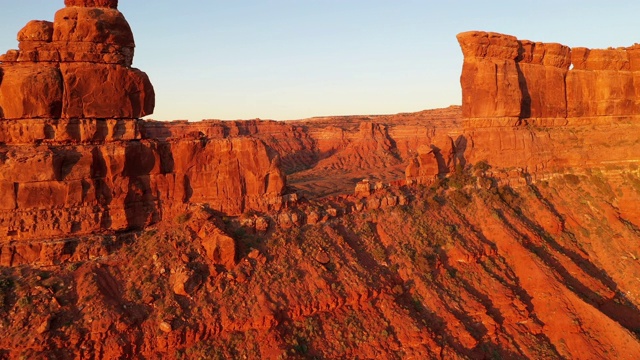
x,y
481,166
459,198
461,177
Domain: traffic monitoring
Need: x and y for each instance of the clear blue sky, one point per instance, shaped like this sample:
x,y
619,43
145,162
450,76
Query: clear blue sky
x,y
292,59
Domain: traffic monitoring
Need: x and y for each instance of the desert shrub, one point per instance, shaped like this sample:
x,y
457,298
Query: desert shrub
x,y
23,302
510,197
597,179
481,166
459,198
183,218
634,181
410,251
203,350
379,253
460,178
485,182
435,202
6,286
73,266
572,179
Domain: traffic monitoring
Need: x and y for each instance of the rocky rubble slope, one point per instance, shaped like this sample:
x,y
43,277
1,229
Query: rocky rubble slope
x,y
466,269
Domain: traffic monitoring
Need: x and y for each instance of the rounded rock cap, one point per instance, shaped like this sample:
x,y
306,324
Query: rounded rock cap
x,y
36,30
113,4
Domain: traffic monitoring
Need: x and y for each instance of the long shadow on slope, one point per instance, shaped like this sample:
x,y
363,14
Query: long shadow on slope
x,y
618,305
510,276
547,204
422,317
624,313
482,297
495,314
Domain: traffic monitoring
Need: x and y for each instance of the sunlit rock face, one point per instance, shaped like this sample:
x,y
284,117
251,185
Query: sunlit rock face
x,y
74,159
506,77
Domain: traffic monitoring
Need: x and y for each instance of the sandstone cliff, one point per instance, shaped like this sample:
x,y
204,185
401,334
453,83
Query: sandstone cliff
x,y
506,77
542,108
76,160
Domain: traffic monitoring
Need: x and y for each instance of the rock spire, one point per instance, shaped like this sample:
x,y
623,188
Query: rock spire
x,y
76,67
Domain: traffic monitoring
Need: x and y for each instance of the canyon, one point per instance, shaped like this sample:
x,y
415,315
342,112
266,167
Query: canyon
x,y
506,227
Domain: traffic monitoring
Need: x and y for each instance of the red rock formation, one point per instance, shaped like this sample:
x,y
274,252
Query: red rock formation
x,y
569,98
371,148
542,69
604,82
73,155
86,51
436,159
490,82
504,77
219,247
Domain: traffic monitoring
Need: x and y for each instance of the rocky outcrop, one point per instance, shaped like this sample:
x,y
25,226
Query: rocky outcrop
x,y
370,148
542,108
490,84
506,77
219,247
442,156
75,159
604,82
292,142
79,66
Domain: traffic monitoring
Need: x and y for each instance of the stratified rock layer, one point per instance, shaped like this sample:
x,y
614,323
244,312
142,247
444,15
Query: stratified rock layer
x,y
73,158
541,108
506,77
79,66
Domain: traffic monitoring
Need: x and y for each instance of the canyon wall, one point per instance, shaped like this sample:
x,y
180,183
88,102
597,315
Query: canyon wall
x,y
75,158
542,108
506,77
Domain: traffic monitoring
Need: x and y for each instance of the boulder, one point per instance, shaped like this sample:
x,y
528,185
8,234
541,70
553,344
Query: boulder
x,y
322,257
30,92
363,188
92,25
219,247
36,30
105,91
